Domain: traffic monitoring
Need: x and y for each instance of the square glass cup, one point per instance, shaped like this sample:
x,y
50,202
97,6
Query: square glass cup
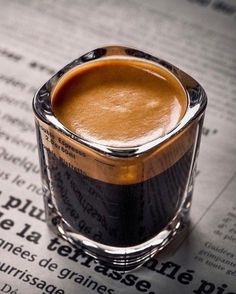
x,y
121,205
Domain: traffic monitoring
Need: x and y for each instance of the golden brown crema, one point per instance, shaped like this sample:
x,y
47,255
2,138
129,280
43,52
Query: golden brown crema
x,y
119,102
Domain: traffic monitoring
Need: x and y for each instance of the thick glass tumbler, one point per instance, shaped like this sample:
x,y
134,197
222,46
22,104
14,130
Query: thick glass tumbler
x,y
118,134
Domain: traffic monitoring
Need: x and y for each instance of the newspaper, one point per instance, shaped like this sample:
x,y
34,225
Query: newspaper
x,y
39,37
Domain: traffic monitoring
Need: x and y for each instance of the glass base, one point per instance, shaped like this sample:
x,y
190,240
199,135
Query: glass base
x,y
118,258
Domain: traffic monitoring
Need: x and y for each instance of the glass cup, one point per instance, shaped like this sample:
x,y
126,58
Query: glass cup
x,y
120,205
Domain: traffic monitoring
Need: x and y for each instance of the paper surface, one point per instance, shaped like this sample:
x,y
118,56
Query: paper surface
x,y
39,37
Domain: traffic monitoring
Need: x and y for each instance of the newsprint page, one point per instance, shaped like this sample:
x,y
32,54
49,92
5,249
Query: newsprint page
x,y
37,38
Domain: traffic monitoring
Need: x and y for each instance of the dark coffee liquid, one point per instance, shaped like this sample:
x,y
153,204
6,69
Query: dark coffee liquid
x,y
113,214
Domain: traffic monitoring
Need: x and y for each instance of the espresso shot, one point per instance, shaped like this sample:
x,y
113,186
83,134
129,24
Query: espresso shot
x,y
118,135
119,103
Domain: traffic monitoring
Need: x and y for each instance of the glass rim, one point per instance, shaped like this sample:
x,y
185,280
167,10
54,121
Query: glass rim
x,y
197,100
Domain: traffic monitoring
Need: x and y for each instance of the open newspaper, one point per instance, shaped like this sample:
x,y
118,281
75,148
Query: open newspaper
x,y
39,37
